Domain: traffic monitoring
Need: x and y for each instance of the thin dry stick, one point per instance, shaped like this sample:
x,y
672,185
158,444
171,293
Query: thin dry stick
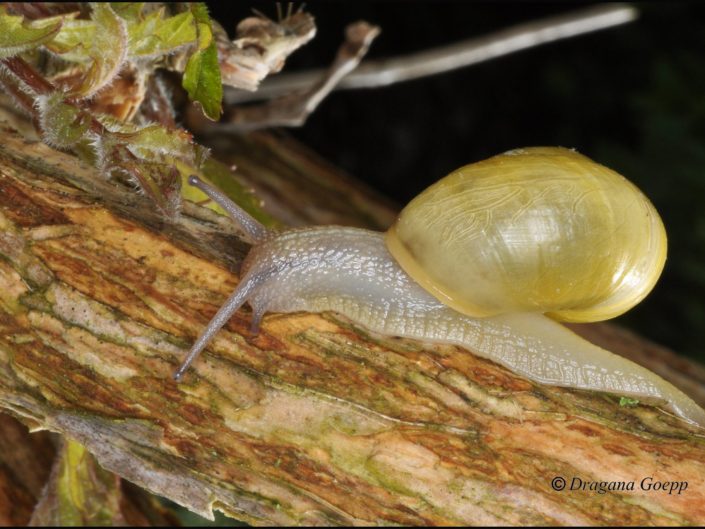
x,y
458,55
292,110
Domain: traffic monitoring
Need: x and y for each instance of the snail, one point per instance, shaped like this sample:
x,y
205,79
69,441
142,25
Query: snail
x,y
487,258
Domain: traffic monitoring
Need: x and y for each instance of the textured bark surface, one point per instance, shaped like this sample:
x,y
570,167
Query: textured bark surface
x,y
313,421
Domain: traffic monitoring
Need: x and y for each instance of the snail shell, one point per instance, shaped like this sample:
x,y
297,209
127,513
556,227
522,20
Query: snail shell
x,y
540,229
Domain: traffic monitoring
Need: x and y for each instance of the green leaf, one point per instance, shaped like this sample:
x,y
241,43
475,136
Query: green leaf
x,y
161,182
155,143
16,36
117,34
62,125
108,49
100,42
79,492
200,13
154,35
202,81
130,11
71,41
155,158
201,78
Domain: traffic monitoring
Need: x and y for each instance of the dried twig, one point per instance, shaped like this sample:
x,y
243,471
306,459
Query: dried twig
x,y
292,110
458,55
261,47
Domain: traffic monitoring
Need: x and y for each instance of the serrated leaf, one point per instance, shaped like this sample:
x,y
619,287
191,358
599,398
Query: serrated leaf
x,y
108,49
202,81
130,11
155,35
161,182
200,12
158,143
16,36
201,78
62,125
101,42
148,36
72,41
155,158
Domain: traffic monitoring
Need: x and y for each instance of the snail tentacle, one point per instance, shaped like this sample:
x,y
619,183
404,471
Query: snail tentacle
x,y
247,286
252,228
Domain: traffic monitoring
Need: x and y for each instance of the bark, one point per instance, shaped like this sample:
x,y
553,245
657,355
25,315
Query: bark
x,y
313,421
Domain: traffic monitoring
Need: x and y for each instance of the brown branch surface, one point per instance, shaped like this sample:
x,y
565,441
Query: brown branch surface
x,y
312,421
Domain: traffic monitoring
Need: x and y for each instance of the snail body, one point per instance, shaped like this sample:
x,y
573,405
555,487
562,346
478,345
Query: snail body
x,y
354,272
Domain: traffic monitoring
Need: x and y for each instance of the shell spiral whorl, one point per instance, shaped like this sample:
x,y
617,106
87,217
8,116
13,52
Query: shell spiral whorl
x,y
540,229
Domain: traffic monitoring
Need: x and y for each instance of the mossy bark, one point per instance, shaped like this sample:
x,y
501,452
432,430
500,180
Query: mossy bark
x,y
314,420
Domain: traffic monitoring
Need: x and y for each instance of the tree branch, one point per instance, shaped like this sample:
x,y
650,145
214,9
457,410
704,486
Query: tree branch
x,y
293,109
443,59
312,421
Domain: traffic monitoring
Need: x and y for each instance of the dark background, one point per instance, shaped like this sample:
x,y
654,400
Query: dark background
x,y
630,97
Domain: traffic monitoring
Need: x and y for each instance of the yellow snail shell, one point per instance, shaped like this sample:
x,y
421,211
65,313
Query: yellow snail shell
x,y
541,229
